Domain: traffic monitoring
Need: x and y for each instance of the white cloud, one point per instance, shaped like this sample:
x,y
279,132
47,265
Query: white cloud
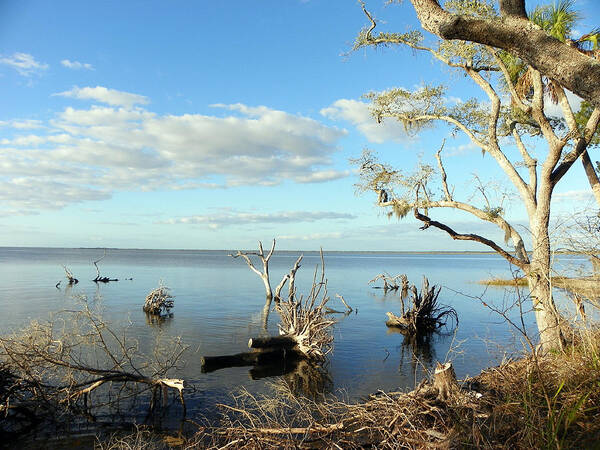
x,y
104,95
239,218
76,65
24,63
103,149
22,124
359,115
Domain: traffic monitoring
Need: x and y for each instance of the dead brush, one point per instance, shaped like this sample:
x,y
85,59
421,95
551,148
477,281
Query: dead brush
x,y
305,320
384,421
159,301
426,314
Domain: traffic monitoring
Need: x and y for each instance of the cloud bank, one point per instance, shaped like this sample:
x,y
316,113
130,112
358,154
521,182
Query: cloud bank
x,y
87,154
225,219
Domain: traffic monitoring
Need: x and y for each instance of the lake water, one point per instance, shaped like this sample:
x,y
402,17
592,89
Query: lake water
x,y
218,305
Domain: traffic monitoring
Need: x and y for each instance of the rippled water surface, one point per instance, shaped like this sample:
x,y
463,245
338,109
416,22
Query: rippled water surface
x,y
218,305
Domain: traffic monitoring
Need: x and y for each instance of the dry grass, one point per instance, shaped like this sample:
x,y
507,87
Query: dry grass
x,y
549,401
518,281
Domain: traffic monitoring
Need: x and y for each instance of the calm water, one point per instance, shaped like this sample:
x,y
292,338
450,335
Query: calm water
x,y
218,304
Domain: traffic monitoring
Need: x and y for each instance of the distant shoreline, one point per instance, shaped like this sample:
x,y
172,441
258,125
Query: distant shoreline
x,y
391,252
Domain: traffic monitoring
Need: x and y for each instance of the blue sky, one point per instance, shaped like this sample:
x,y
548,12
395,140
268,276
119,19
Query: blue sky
x,y
195,124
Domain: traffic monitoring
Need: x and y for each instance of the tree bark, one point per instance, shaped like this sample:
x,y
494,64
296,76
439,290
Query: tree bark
x,y
286,342
514,33
540,285
444,381
513,8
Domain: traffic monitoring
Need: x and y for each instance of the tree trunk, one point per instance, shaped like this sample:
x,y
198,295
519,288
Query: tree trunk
x,y
444,381
540,284
268,290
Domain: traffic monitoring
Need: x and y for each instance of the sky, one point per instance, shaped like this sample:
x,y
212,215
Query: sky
x,y
211,125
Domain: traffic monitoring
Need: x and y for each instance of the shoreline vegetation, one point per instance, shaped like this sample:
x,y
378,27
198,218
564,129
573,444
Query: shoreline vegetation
x,y
538,401
587,286
315,251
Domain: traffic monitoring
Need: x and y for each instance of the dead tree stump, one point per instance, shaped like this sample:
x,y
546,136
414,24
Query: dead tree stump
x,y
444,381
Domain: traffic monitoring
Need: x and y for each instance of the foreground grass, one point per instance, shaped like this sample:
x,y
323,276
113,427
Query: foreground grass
x,y
549,401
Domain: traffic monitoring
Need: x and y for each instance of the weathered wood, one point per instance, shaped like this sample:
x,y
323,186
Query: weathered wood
x,y
444,381
283,342
396,321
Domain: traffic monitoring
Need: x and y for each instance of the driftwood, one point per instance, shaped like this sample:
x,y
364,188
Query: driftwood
x,y
283,342
425,314
159,301
70,276
305,320
101,279
390,283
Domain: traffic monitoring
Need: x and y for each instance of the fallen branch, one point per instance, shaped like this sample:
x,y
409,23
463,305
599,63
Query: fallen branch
x,y
100,279
70,277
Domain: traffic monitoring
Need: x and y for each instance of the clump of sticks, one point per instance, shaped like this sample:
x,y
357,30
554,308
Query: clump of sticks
x,y
390,283
425,313
159,301
305,320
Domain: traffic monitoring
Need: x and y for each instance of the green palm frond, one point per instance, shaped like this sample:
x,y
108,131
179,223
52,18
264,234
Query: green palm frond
x,y
558,19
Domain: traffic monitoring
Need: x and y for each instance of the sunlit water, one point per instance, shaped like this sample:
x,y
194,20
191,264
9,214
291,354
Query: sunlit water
x,y
218,305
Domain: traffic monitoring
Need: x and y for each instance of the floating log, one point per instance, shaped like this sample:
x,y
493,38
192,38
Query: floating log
x,y
283,342
444,380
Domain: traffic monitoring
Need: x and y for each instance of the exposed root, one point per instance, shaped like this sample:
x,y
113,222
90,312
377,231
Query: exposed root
x,y
425,314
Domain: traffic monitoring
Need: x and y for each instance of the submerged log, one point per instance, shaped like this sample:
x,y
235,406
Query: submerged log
x,y
256,358
444,381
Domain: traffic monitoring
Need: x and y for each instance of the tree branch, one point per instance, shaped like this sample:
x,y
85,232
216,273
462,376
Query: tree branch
x,y
513,8
580,147
470,237
557,60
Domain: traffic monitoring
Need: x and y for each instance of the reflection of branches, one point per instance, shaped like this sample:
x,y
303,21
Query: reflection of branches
x,y
308,379
55,367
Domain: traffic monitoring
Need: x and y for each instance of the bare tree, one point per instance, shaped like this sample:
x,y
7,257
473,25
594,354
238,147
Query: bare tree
x,y
264,275
489,125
